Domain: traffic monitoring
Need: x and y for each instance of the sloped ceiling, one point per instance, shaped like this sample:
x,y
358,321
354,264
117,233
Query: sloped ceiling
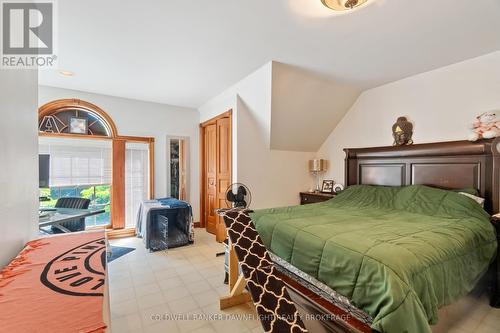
x,y
306,107
184,52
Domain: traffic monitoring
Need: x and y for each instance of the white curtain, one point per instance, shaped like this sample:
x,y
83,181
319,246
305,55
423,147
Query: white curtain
x,y
76,162
136,179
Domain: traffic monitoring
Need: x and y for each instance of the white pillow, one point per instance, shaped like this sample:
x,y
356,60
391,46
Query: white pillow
x,y
479,200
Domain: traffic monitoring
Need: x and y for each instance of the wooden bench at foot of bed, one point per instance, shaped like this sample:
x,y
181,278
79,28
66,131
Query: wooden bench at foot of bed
x,y
57,284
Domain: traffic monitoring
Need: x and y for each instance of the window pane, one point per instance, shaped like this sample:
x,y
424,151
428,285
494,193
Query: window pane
x,y
99,198
136,180
77,162
79,168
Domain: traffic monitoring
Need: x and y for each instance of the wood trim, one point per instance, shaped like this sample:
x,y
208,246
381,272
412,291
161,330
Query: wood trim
x,y
140,139
182,170
202,176
120,233
74,103
99,227
75,136
118,185
449,148
151,169
228,113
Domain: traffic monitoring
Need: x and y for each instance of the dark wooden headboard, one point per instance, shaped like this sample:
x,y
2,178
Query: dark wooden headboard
x,y
448,165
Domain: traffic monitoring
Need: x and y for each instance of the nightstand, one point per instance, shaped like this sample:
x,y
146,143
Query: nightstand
x,y
314,197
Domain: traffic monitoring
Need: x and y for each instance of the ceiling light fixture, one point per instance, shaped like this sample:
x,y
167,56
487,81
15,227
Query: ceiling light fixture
x,y
342,5
67,73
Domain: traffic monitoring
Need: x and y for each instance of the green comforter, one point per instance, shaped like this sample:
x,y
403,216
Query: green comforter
x,y
399,253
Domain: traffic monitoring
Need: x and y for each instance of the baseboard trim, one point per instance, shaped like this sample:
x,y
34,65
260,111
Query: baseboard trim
x,y
120,233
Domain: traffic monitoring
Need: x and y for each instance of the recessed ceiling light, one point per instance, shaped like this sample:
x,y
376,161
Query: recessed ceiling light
x,y
343,4
67,73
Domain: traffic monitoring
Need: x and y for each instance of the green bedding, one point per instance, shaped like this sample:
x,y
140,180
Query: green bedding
x,y
399,253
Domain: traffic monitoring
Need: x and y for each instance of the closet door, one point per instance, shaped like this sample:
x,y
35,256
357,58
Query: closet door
x,y
210,204
223,170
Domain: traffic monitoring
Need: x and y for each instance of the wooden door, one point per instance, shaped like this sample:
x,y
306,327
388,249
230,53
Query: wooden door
x,y
211,177
223,170
216,169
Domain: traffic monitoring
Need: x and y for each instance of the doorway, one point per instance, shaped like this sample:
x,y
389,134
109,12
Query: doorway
x,y
216,171
178,166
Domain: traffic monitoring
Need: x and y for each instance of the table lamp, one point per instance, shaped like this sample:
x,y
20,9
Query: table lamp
x,y
316,167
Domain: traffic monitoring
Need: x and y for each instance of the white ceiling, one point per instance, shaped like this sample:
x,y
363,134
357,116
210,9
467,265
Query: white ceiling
x,y
184,52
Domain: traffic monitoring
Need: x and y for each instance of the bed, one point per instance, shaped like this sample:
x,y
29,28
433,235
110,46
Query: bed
x,y
398,244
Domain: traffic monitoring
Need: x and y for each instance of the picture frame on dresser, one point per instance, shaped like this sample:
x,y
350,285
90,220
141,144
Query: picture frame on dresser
x,y
327,186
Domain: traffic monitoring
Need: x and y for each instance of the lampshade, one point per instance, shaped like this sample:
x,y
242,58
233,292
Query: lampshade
x,y
343,4
317,165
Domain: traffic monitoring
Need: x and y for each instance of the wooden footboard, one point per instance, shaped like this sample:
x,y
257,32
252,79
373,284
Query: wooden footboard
x,y
320,315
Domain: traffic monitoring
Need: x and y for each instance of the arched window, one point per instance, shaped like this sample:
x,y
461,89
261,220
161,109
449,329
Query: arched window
x,y
75,117
124,162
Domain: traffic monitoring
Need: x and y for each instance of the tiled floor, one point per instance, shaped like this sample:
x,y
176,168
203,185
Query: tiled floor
x,y
148,289
469,314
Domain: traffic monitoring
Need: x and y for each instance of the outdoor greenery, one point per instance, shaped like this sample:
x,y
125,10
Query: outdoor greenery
x,y
99,195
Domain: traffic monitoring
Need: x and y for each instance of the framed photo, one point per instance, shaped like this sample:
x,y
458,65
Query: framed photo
x,y
327,186
78,125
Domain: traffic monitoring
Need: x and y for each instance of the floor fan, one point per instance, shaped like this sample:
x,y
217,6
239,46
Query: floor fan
x,y
238,196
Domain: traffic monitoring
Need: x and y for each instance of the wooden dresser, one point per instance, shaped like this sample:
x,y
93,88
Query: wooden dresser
x,y
314,197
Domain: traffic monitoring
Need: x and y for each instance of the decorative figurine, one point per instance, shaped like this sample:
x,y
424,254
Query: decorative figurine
x,y
402,132
486,126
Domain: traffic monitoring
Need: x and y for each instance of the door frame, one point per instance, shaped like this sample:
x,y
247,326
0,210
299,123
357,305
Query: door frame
x,y
186,142
227,114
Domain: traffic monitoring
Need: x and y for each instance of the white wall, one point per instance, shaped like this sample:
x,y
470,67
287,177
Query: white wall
x,y
306,107
139,118
441,104
18,161
274,177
